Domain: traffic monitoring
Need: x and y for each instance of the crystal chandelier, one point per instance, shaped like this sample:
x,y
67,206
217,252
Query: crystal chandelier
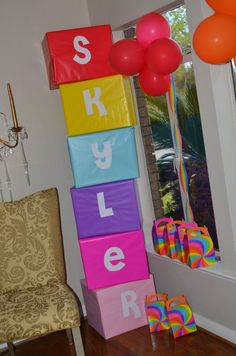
x,y
15,135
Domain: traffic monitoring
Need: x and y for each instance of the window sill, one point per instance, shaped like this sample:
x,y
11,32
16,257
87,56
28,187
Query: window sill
x,y
217,269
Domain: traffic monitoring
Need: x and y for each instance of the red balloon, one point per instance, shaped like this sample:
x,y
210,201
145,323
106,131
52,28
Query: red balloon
x,y
153,84
150,27
226,7
163,56
214,39
127,57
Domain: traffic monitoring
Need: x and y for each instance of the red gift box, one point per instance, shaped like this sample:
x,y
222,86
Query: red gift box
x,y
77,54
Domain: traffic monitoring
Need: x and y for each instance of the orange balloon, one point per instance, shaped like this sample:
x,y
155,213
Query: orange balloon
x,y
227,7
214,40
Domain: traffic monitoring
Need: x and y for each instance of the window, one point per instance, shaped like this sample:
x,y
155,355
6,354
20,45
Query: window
x,y
158,140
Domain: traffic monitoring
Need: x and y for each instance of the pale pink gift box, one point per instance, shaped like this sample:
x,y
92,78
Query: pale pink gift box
x,y
117,309
114,259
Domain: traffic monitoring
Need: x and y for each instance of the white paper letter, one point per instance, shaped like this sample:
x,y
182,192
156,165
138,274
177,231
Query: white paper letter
x,y
79,48
103,211
90,101
128,300
114,254
104,160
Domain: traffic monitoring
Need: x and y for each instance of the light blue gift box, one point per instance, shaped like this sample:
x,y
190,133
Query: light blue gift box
x,y
103,157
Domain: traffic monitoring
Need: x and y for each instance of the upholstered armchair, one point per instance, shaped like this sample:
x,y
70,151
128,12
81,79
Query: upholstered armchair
x,y
34,297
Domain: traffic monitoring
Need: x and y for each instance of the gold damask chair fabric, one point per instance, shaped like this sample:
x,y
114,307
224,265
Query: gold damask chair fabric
x,y
34,297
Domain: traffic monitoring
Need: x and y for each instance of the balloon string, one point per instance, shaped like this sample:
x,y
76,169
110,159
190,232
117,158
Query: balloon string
x,y
178,148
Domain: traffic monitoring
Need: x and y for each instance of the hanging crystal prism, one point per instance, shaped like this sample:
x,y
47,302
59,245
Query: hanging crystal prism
x,y
8,181
1,193
25,163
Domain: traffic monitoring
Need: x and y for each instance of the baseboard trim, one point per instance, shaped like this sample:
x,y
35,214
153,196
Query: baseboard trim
x,y
216,329
210,326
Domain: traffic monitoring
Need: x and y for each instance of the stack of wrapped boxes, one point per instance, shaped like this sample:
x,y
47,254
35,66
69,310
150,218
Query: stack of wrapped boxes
x,y
99,114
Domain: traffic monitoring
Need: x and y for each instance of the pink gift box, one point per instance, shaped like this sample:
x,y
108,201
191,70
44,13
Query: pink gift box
x,y
117,309
114,259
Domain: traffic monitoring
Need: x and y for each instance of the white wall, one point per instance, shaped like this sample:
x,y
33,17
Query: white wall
x,y
22,27
211,295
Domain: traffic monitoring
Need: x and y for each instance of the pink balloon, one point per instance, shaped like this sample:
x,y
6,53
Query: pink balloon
x,y
127,57
163,56
153,84
150,27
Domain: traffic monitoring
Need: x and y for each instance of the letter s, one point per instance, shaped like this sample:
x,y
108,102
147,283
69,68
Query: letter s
x,y
84,51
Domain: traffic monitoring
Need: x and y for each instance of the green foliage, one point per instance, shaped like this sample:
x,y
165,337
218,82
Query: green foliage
x,y
179,27
191,105
187,103
189,122
184,75
168,200
157,107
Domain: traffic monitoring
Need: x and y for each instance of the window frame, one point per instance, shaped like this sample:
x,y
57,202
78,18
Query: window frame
x,y
218,115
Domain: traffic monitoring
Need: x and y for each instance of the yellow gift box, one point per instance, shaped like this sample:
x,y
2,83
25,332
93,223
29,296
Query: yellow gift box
x,y
98,105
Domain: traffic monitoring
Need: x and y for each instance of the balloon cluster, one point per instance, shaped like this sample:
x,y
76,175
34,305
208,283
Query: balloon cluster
x,y
153,55
215,38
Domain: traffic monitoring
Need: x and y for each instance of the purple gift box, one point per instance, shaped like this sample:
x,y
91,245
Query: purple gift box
x,y
106,209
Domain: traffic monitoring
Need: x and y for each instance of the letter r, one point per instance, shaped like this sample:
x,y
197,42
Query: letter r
x,y
128,301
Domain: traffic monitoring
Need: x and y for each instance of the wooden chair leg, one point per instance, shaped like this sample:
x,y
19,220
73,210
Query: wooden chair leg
x,y
79,347
11,348
69,336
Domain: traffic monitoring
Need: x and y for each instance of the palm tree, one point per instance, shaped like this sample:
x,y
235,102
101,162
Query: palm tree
x,y
189,121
